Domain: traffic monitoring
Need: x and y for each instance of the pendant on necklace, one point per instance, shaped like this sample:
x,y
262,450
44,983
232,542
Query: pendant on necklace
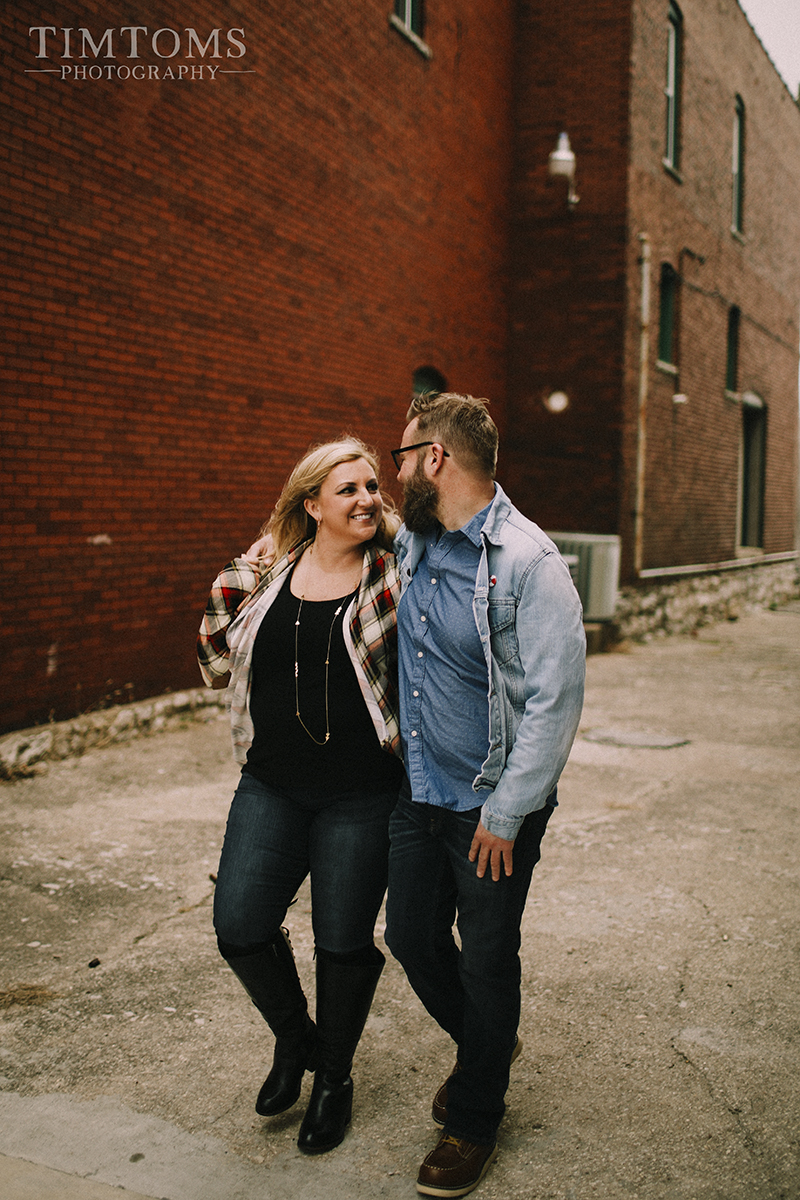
x,y
326,739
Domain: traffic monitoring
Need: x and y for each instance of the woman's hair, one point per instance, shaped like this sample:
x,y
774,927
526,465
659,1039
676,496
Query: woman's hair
x,y
291,524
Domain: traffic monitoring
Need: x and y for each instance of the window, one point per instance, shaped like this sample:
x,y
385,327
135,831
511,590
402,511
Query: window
x,y
732,362
408,19
738,166
668,295
428,381
752,471
672,91
409,14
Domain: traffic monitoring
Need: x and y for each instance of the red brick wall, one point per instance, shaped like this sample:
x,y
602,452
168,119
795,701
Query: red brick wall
x,y
597,70
693,448
568,267
203,277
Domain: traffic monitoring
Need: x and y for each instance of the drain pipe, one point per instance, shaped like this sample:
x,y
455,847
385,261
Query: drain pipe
x,y
641,430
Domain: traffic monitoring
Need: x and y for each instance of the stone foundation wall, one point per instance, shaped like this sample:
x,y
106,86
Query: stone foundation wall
x,y
664,608
21,753
681,605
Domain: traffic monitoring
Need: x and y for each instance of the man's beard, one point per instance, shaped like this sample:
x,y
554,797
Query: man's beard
x,y
420,502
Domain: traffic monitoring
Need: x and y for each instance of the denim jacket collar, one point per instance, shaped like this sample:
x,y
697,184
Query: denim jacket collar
x,y
411,546
496,517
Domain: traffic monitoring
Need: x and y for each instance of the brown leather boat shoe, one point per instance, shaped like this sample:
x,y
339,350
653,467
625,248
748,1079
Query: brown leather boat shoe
x,y
454,1167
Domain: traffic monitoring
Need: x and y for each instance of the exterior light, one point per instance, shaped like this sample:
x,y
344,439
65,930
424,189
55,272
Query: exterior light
x,y
557,402
562,162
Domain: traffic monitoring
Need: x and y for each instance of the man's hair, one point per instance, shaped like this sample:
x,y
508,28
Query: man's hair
x,y
463,426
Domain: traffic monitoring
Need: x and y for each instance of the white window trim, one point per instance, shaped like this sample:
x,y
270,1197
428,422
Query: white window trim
x,y
407,32
672,89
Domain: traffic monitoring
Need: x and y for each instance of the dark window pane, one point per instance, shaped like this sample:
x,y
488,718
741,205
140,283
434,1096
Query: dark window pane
x,y
672,89
732,367
754,445
738,165
666,323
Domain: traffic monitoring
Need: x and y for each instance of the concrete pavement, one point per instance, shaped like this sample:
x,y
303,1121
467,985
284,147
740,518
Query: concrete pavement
x,y
661,964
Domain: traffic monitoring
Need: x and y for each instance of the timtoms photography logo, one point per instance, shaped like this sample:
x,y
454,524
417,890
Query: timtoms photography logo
x,y
162,54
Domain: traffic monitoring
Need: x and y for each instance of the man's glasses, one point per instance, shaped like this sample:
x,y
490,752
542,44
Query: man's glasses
x,y
397,455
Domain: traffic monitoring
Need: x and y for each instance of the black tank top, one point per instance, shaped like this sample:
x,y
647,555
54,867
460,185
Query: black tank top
x,y
283,753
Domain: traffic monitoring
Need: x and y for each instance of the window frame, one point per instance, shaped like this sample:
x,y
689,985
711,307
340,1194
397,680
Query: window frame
x,y
408,18
752,474
732,356
668,318
737,166
672,90
411,14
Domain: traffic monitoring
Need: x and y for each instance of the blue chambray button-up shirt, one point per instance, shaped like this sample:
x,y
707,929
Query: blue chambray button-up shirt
x,y
529,622
446,738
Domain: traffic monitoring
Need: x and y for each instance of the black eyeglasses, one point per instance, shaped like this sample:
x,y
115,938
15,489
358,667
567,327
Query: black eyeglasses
x,y
398,462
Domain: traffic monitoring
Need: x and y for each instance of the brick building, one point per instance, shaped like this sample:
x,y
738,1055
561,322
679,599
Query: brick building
x,y
228,233
662,310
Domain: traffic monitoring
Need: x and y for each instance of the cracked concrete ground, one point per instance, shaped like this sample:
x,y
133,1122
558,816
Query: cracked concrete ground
x,y
660,965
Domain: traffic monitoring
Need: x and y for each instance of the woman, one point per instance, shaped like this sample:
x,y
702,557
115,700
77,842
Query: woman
x,y
310,663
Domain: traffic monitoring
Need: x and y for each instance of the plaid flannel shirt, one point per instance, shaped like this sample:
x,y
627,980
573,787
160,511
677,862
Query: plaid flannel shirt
x,y
240,597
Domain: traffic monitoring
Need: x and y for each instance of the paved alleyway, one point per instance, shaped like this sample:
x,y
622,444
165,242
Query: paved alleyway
x,y
661,966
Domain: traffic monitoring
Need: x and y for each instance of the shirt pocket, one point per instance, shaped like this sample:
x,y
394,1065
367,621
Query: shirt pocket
x,y
503,630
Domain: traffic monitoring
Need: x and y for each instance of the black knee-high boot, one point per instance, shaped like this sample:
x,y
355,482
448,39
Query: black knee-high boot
x,y
345,987
270,979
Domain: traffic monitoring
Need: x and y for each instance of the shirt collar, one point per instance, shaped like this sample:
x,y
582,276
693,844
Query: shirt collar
x,y
472,529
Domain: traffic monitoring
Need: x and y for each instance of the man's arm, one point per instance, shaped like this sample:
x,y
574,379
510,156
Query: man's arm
x,y
231,587
552,651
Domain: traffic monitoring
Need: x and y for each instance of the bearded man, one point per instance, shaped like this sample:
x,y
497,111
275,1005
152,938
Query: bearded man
x,y
492,656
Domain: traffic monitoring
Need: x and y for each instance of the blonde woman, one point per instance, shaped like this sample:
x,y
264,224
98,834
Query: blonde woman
x,y
307,649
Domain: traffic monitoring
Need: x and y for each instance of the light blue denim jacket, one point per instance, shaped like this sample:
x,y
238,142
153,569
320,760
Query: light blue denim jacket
x,y
530,623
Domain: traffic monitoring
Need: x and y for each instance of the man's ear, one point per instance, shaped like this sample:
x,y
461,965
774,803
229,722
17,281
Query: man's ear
x,y
437,457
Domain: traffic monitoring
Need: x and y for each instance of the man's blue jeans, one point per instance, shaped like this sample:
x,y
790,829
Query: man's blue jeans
x,y
473,992
274,839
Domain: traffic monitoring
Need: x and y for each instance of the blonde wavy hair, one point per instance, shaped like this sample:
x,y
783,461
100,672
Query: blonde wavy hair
x,y
290,524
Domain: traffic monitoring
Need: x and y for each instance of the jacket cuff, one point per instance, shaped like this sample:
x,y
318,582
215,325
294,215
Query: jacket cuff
x,y
502,827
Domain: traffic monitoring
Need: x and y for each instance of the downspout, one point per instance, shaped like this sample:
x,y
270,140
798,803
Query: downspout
x,y
641,430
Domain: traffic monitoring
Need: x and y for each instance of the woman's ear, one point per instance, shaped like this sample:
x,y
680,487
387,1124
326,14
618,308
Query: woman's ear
x,y
311,507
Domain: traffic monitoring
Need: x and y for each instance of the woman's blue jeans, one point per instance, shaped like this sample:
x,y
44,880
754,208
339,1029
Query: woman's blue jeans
x,y
273,840
472,991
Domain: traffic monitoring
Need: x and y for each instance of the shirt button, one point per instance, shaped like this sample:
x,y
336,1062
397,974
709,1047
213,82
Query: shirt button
x,y
413,733
433,581
415,693
419,654
423,618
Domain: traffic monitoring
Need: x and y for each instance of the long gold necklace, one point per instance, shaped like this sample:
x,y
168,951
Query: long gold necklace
x,y
327,670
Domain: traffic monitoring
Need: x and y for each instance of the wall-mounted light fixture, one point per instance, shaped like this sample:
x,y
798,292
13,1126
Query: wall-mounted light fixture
x,y
562,162
556,402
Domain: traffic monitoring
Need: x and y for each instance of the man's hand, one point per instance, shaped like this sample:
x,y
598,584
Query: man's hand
x,y
262,553
489,849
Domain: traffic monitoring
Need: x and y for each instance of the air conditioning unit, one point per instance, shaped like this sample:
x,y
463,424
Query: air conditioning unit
x,y
593,559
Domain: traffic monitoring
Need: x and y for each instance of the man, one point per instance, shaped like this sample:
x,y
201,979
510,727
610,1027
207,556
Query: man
x,y
492,655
